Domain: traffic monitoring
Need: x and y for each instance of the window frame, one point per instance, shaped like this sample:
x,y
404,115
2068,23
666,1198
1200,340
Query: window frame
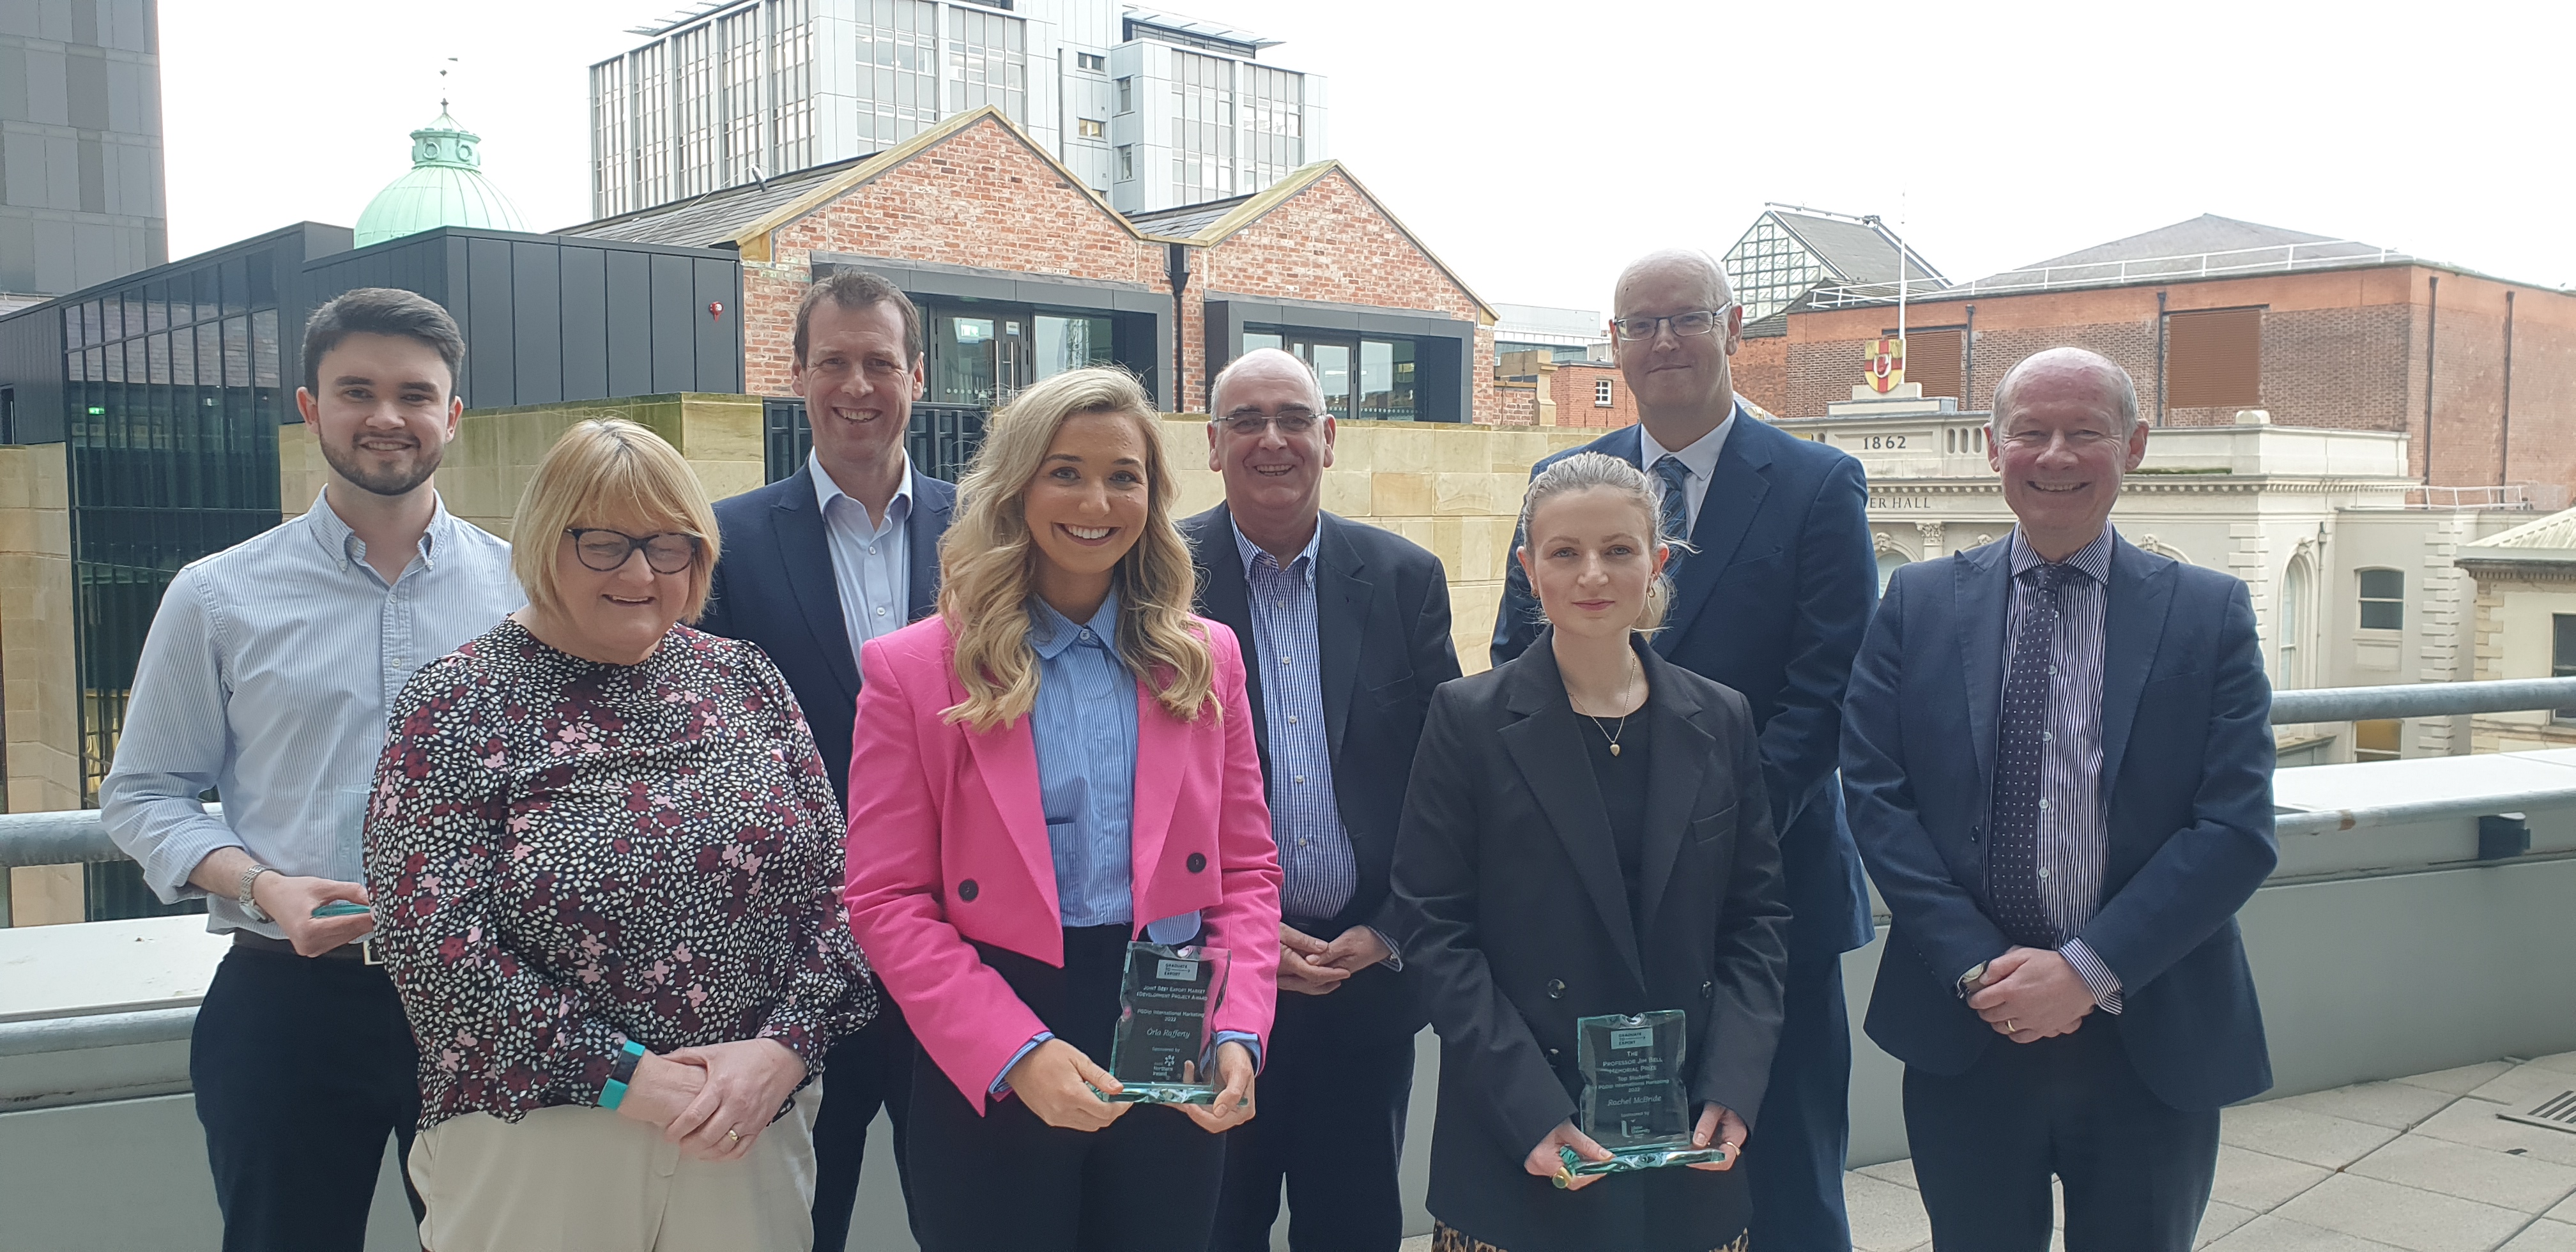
x,y
2364,602
1602,395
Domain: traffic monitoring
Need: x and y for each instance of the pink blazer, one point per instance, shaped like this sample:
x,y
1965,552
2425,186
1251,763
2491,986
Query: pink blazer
x,y
934,806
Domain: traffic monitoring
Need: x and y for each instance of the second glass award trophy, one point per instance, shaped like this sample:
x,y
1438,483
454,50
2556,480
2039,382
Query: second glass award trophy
x,y
1161,1053
1634,1101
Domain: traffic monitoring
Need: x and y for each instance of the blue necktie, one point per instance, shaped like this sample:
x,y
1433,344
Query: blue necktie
x,y
2012,849
1676,507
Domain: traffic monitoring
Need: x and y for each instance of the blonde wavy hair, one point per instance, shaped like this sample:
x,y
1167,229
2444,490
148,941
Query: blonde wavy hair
x,y
1587,471
988,561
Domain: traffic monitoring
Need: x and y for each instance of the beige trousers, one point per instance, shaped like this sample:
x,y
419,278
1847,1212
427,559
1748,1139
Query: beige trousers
x,y
580,1179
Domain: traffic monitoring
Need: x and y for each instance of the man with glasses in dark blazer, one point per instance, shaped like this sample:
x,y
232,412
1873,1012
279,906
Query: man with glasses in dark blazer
x,y
1770,598
838,553
1345,628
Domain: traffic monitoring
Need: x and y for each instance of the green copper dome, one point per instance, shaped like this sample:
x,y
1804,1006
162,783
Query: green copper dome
x,y
445,187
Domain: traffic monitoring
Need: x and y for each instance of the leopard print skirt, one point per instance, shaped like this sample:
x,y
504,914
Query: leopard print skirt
x,y
1446,1238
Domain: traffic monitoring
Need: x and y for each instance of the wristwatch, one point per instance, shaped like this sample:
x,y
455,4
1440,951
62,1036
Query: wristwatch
x,y
243,896
1972,980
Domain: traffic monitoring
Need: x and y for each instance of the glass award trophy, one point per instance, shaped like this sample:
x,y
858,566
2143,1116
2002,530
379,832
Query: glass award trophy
x,y
1634,1101
1161,1053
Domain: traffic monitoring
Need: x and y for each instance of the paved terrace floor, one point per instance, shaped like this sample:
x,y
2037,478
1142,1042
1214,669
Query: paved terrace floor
x,y
2421,1164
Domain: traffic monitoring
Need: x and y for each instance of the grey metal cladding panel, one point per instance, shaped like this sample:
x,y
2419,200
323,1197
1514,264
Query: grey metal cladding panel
x,y
630,324
536,286
675,348
585,323
491,348
31,366
719,354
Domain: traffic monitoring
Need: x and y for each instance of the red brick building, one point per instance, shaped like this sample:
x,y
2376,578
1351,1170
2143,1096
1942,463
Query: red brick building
x,y
1021,270
2214,316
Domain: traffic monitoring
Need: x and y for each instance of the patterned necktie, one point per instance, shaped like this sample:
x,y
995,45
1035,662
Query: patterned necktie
x,y
2012,850
1676,507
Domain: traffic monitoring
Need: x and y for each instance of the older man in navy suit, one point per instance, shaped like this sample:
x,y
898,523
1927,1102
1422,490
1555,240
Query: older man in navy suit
x,y
2058,758
1771,596
838,553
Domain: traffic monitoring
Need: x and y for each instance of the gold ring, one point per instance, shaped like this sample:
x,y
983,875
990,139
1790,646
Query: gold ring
x,y
2010,1028
733,1136
1564,1175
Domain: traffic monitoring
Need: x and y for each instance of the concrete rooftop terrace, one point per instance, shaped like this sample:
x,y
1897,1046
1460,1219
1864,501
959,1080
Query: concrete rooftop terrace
x,y
2422,1164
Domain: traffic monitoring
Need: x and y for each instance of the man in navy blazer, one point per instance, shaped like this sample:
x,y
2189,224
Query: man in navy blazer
x,y
838,553
1770,599
2058,760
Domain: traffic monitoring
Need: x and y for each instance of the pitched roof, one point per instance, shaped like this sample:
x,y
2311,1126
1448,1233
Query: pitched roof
x,y
2205,246
1853,251
716,218
2550,539
1183,221
1242,211
745,217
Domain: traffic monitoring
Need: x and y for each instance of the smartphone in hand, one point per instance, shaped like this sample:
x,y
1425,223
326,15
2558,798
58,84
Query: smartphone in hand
x,y
341,908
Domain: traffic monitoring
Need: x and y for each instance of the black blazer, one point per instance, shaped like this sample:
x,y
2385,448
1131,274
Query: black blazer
x,y
1773,605
774,586
1382,625
1518,921
2187,771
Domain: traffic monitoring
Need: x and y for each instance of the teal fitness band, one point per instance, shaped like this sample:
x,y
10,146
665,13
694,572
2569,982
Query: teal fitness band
x,y
620,1072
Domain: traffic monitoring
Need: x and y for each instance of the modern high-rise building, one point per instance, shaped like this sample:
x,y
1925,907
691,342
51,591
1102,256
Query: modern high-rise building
x,y
1151,109
80,146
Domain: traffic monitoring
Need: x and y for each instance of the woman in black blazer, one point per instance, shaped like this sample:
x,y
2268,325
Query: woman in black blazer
x,y
1587,833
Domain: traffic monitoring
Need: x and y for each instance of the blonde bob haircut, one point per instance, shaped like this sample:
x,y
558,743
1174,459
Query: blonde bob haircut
x,y
613,474
988,561
1594,471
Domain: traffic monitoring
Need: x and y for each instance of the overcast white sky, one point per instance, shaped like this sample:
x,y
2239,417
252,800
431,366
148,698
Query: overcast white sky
x,y
1536,146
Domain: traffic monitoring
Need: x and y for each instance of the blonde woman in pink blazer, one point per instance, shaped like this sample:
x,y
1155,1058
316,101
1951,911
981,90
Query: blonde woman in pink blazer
x,y
1059,762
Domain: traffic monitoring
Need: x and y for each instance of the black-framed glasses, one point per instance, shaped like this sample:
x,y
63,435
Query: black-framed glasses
x,y
1695,322
1292,423
606,551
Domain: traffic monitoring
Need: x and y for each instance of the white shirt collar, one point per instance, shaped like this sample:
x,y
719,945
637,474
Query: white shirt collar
x,y
1700,458
825,490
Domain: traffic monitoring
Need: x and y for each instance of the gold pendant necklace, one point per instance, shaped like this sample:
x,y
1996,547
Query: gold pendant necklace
x,y
1606,732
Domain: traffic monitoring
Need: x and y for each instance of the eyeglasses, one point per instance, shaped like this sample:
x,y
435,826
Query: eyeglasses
x,y
1695,322
606,551
1292,423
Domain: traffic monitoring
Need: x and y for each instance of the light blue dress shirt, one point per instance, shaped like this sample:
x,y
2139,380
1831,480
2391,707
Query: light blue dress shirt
x,y
871,562
1315,854
1084,731
1084,728
267,676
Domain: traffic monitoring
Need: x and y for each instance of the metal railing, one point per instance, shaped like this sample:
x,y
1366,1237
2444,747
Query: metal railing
x,y
2224,263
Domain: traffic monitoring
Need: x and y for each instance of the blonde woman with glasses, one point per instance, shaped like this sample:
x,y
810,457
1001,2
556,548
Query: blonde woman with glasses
x,y
1060,762
605,861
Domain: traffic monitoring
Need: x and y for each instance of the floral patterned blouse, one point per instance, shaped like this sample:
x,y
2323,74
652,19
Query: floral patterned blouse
x,y
565,854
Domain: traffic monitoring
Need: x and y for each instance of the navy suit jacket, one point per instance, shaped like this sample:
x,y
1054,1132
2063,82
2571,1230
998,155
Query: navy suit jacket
x,y
1382,628
774,586
2187,768
1772,604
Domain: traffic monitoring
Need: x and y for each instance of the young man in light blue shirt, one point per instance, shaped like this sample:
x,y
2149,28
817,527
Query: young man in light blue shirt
x,y
266,679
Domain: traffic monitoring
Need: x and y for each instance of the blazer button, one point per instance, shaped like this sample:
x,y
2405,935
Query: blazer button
x,y
1973,832
1556,988
1708,990
1197,862
966,891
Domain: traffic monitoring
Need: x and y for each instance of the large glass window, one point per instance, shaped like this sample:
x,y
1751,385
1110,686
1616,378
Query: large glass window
x,y
1202,128
899,57
739,35
1386,380
1067,342
611,176
791,82
693,96
988,62
1274,124
2383,599
2294,625
1771,269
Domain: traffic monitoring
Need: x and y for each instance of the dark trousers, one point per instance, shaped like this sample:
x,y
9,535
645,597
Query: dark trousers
x,y
1331,1123
1795,1158
1007,1180
862,1073
301,1069
2137,1171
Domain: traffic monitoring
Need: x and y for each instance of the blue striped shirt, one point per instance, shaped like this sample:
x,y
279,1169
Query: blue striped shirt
x,y
2074,814
267,677
1315,858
